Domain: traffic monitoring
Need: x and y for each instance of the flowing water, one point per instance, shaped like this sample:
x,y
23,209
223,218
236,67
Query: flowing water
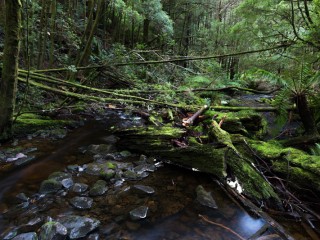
x,y
173,212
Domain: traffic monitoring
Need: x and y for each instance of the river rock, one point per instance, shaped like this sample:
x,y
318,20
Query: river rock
x,y
101,149
53,231
131,175
205,198
79,187
59,176
94,236
22,196
10,233
139,213
67,183
50,186
144,168
111,139
99,188
79,227
23,161
100,169
26,236
145,189
81,202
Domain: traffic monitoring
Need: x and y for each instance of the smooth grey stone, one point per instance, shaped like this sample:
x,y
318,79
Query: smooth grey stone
x,y
79,187
99,188
53,231
67,183
50,186
205,198
146,189
81,202
26,236
79,227
139,213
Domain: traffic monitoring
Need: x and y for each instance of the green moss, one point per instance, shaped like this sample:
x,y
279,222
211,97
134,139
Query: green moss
x,y
297,176
252,182
29,123
267,150
301,168
111,165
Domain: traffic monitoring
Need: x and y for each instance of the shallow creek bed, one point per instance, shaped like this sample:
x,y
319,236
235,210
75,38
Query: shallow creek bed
x,y
87,186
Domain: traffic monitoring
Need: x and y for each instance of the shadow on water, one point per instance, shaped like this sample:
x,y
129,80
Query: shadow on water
x,y
52,156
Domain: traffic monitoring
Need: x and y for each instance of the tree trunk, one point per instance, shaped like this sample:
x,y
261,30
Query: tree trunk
x,y
8,83
306,115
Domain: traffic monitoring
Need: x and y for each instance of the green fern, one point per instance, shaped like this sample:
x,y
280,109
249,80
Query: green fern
x,y
315,150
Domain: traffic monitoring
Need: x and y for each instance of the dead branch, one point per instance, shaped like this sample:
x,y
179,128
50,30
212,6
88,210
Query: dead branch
x,y
190,121
220,225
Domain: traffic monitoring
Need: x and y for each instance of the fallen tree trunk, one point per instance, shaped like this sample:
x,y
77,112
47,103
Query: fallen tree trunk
x,y
214,158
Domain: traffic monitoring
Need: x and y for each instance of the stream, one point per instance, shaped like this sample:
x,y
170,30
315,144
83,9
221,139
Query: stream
x,y
141,197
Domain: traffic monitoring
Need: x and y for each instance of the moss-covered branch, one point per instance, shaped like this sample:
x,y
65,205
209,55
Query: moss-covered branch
x,y
103,99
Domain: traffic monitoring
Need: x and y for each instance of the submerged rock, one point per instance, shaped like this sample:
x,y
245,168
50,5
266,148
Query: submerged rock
x,y
205,198
101,149
67,183
50,186
59,176
99,188
145,189
145,168
79,187
53,231
10,233
139,213
79,227
26,236
81,202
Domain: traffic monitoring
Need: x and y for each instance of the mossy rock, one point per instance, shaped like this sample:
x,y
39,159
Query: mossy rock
x,y
50,186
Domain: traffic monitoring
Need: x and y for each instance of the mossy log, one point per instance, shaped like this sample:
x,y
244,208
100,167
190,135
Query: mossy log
x,y
214,158
301,170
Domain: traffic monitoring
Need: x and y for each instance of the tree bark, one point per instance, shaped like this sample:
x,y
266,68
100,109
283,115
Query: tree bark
x,y
306,115
8,83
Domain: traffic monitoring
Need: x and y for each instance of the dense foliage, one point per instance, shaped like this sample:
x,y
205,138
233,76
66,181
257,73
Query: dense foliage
x,y
72,34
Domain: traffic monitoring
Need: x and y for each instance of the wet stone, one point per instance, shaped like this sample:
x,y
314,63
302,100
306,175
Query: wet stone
x,y
50,186
112,139
101,149
131,175
205,198
144,168
94,236
26,236
79,187
108,174
23,161
145,189
125,154
73,168
67,183
139,213
22,196
79,227
59,176
53,231
9,234
99,188
81,202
